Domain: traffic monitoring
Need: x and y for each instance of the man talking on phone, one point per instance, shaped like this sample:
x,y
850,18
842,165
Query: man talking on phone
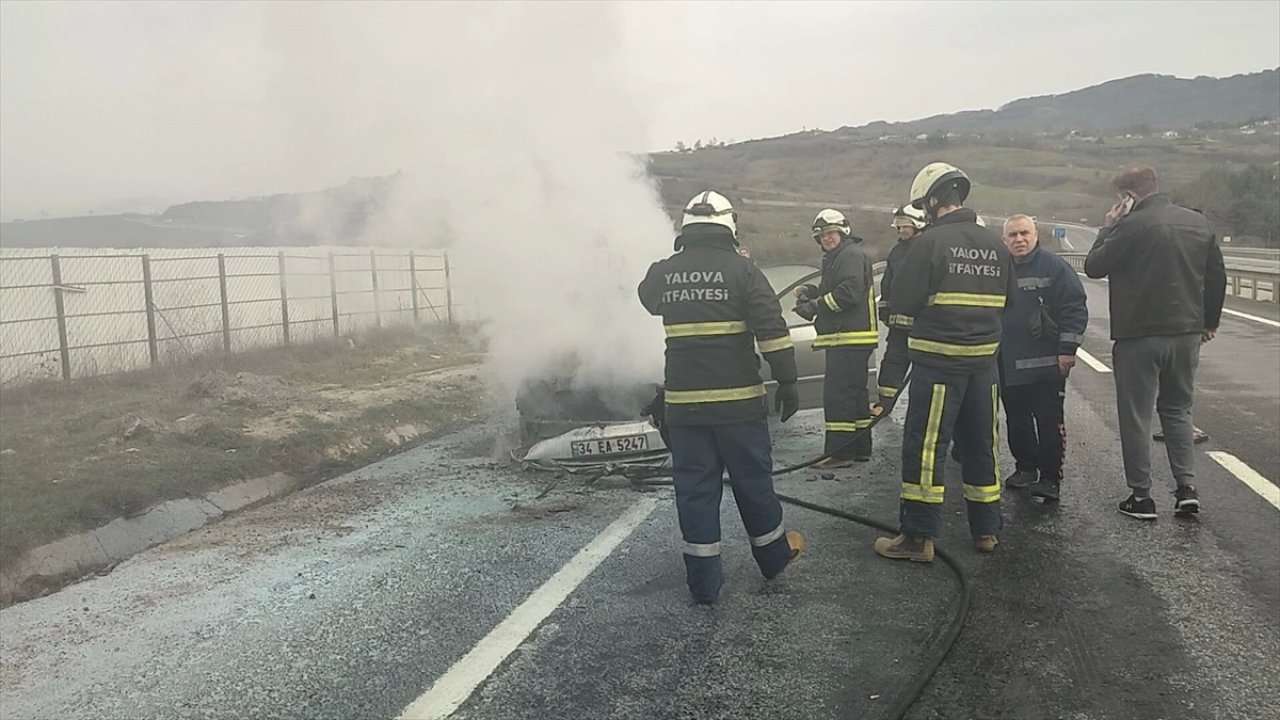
x,y
1167,285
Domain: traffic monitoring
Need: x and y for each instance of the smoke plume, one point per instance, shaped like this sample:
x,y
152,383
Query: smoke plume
x,y
510,126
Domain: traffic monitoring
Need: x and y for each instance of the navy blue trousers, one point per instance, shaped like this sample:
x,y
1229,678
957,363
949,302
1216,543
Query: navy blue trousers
x,y
700,455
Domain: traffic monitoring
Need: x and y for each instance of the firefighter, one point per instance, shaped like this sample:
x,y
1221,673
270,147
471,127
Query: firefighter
x,y
718,311
954,284
909,222
843,309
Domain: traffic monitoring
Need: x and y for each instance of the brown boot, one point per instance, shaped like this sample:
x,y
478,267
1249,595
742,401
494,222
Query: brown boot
x,y
986,543
833,464
915,548
796,541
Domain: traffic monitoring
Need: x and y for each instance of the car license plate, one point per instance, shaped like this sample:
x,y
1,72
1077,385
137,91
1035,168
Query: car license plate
x,y
609,446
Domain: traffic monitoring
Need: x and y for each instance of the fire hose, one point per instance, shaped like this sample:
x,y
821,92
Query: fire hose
x,y
653,477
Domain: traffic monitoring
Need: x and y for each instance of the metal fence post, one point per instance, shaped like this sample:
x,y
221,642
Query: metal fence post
x,y
373,272
63,351
413,284
284,300
333,294
448,288
226,309
153,347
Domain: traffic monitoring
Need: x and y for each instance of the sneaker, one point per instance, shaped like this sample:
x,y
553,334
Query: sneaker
x,y
1046,489
796,542
1021,479
906,547
1197,435
1144,509
986,543
1186,501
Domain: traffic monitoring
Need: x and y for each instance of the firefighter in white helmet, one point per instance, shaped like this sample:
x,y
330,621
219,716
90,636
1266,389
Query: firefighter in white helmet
x,y
843,309
719,311
953,283
909,221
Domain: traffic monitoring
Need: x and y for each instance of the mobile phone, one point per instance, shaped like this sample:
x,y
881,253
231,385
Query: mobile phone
x,y
1126,204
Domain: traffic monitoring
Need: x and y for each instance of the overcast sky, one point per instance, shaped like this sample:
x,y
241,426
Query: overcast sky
x,y
109,106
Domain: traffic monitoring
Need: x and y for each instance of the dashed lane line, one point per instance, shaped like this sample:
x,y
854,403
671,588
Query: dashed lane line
x,y
453,688
1248,476
1092,361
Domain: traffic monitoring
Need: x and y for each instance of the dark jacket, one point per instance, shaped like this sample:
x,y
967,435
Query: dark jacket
x,y
718,309
846,300
954,282
1166,271
1033,339
891,266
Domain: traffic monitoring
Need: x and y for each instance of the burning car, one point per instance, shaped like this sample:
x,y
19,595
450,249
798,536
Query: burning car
x,y
567,423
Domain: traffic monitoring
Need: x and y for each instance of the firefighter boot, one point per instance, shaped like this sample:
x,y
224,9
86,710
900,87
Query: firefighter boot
x,y
986,543
795,541
915,548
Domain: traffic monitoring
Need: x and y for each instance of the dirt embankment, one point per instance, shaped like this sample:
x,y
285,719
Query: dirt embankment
x,y
77,455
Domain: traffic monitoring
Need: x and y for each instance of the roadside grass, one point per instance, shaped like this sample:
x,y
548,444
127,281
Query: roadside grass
x,y
79,454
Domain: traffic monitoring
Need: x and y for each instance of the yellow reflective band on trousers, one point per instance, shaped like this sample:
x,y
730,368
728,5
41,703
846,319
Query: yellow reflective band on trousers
x,y
774,345
942,348
981,493
856,337
925,490
848,426
690,397
886,391
901,321
995,433
727,327
702,549
932,494
967,299
830,300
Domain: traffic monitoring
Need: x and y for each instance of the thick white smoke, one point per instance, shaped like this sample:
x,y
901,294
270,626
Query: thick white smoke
x,y
511,126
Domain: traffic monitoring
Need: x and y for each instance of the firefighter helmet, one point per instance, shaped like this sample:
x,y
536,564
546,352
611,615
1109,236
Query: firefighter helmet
x,y
933,178
831,220
710,208
909,214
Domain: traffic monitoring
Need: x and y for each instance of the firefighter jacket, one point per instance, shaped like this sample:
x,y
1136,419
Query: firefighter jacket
x,y
1166,270
846,300
1046,318
892,263
718,310
954,283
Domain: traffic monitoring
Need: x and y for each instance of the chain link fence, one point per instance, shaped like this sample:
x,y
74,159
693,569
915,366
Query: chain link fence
x,y
88,313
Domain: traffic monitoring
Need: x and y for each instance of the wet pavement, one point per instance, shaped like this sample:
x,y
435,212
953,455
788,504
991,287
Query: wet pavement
x,y
351,599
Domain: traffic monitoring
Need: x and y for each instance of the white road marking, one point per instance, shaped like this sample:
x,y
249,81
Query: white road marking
x,y
1092,361
1248,476
453,688
1254,318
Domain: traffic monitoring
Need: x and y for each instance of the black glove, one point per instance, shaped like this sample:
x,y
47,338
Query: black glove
x,y
807,292
657,411
807,309
787,400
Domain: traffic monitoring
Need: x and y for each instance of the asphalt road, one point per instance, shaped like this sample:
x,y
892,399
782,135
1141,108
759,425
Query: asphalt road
x,y
355,598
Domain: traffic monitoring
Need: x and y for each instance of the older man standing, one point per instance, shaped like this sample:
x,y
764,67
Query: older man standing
x,y
1043,326
1168,283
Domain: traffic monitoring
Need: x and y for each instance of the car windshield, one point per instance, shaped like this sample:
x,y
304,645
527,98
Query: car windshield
x,y
785,277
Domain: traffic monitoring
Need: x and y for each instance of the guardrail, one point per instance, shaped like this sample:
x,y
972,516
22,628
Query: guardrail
x,y
1249,283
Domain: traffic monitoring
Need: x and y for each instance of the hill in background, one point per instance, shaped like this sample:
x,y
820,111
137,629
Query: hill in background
x,y
1216,143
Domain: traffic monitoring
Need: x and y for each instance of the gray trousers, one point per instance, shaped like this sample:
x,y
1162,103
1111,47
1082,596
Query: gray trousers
x,y
1159,370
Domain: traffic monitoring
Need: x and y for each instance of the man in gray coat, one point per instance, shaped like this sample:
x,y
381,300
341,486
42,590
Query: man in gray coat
x,y
1167,285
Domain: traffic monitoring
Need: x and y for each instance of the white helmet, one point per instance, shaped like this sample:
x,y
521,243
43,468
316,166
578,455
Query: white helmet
x,y
912,214
831,219
934,177
710,208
